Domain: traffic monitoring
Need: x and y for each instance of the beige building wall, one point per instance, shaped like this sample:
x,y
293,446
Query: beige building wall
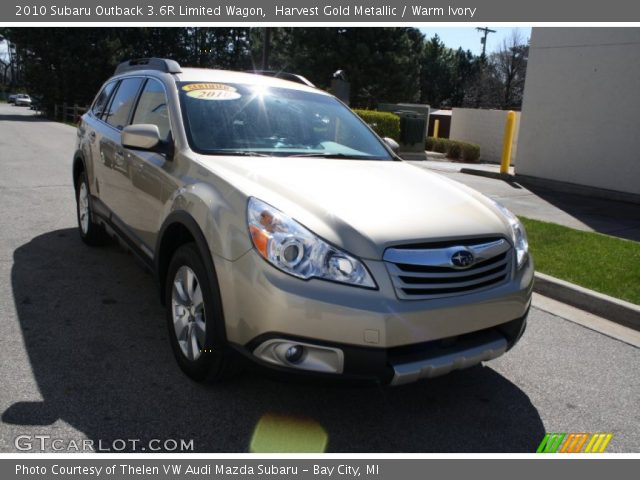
x,y
581,108
485,128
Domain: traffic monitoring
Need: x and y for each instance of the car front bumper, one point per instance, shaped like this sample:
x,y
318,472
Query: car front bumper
x,y
358,332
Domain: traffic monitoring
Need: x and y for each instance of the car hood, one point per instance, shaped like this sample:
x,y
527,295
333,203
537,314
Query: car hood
x,y
363,206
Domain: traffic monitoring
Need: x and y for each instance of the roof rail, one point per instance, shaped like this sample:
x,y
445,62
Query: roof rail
x,y
292,77
161,64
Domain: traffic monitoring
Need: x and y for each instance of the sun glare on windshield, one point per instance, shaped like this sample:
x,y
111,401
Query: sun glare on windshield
x,y
261,120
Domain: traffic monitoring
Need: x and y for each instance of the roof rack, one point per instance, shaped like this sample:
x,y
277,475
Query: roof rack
x,y
161,64
292,77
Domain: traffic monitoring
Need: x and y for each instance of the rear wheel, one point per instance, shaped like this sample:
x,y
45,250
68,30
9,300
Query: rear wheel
x,y
194,318
91,233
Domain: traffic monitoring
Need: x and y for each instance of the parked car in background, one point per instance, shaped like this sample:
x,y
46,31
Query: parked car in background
x,y
12,98
36,102
22,100
282,229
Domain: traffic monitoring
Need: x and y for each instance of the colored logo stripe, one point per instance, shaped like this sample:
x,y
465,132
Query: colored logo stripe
x,y
573,442
550,443
598,443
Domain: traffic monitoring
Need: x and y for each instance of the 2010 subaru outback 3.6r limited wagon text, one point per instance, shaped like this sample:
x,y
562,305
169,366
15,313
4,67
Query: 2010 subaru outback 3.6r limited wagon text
x,y
281,227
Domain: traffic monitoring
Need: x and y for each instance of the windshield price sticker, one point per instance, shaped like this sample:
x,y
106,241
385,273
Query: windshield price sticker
x,y
211,91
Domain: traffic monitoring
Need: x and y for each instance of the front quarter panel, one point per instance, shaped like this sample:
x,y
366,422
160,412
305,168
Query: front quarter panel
x,y
82,153
218,209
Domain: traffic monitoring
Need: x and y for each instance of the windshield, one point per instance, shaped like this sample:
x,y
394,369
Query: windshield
x,y
235,119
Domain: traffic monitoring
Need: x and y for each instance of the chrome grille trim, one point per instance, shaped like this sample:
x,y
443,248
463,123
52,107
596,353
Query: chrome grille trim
x,y
465,283
425,273
397,270
441,257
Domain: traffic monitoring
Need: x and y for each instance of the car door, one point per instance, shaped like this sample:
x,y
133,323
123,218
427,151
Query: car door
x,y
151,181
90,131
114,176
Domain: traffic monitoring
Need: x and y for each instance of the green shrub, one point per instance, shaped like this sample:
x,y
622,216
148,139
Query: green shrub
x,y
429,144
440,145
470,152
453,149
385,124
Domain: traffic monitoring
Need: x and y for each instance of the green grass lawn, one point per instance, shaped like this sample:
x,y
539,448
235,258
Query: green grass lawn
x,y
606,264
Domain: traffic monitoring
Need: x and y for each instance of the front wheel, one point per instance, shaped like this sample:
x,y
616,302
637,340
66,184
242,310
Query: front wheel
x,y
91,233
195,319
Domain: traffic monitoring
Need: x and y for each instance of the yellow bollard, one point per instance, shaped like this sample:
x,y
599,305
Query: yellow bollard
x,y
507,142
436,127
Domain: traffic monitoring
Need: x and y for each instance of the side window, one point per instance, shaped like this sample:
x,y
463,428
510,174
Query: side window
x,y
101,102
118,111
152,108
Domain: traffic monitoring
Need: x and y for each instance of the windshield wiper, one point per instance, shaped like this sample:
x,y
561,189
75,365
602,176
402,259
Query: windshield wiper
x,y
237,153
330,155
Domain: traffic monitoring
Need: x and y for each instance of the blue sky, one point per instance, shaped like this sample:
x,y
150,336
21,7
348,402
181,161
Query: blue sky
x,y
469,38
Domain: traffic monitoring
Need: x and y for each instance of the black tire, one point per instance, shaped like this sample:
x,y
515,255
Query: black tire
x,y
94,234
216,361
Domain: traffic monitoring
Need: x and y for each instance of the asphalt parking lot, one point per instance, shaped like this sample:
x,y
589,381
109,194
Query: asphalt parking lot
x,y
84,353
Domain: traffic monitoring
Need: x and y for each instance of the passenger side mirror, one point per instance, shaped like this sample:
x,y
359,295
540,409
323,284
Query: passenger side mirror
x,y
392,144
141,137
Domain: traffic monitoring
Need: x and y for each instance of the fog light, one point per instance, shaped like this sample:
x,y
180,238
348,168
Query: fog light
x,y
301,356
294,353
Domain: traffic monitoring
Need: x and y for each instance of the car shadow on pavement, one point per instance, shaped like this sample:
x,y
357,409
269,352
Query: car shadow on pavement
x,y
96,339
610,217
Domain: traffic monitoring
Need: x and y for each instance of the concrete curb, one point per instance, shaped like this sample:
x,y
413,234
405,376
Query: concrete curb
x,y
483,173
436,155
614,309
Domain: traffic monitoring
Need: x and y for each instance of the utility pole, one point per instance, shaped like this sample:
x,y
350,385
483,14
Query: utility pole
x,y
483,40
266,46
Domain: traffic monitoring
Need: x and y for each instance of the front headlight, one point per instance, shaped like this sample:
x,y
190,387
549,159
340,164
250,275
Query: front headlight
x,y
292,248
518,234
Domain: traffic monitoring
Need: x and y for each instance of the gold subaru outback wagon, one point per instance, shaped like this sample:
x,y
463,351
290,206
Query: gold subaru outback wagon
x,y
282,228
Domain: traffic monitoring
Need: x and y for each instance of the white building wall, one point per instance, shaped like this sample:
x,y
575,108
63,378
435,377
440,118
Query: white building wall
x,y
485,128
581,108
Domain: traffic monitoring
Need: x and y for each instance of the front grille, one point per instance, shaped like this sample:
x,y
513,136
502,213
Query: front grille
x,y
429,272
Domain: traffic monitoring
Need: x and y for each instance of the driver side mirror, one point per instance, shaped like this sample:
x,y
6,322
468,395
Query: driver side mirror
x,y
392,144
141,137
145,136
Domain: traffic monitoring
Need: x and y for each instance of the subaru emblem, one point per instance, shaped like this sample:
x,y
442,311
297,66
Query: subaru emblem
x,y
462,259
